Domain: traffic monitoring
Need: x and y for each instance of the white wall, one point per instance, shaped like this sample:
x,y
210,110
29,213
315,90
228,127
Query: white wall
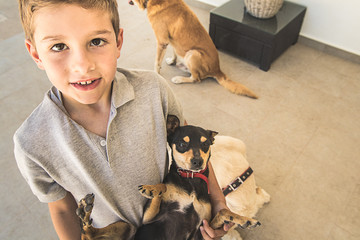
x,y
332,22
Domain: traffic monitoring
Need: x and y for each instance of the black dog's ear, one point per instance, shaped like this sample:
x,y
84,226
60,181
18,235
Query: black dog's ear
x,y
172,123
212,135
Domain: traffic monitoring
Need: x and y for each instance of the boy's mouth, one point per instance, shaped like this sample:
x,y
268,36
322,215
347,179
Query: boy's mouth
x,y
86,85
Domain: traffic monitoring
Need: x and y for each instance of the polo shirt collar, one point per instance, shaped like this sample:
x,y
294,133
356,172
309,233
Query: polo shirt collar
x,y
122,90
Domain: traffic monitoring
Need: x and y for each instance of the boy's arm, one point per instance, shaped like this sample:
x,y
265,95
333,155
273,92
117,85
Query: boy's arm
x,y
218,202
64,218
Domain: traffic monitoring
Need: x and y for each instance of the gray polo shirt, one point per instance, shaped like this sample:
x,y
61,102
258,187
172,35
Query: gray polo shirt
x,y
55,154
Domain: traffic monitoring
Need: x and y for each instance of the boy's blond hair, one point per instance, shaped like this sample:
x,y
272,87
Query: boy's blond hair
x,y
28,8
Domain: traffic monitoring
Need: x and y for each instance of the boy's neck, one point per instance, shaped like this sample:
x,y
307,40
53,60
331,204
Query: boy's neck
x,y
93,117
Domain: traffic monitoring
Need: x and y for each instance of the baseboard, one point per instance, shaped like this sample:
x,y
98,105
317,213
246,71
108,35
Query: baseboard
x,y
302,39
329,49
199,4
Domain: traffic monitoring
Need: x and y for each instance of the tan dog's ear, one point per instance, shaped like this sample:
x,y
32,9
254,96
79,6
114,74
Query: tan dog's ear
x,y
172,122
212,136
142,4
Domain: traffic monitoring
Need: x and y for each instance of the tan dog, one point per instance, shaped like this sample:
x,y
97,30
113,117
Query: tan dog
x,y
174,23
228,158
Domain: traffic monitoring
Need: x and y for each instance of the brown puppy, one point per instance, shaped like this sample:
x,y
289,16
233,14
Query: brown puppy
x,y
174,23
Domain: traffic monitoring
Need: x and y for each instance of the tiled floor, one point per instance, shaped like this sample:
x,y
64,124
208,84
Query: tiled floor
x,y
302,135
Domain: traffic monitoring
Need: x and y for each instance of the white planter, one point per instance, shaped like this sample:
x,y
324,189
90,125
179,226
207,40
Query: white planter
x,y
263,8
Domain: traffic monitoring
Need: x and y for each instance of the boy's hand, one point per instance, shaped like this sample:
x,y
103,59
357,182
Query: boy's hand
x,y
208,233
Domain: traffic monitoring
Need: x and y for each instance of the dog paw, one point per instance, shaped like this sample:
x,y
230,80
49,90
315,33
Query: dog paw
x,y
250,223
226,216
170,61
177,79
84,209
152,191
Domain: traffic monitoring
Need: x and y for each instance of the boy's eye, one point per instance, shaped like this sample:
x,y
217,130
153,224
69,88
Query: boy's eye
x,y
59,47
97,42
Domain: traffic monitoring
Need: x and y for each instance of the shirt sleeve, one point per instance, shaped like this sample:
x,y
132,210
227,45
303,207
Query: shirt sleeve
x,y
41,183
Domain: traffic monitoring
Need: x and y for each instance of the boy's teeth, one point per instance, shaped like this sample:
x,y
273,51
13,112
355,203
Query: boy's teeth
x,y
85,83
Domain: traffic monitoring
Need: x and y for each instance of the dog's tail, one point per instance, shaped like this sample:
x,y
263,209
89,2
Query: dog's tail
x,y
234,87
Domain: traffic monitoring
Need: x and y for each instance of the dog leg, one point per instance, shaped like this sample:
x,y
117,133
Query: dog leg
x,y
153,192
192,60
180,79
116,231
226,216
160,52
171,60
84,210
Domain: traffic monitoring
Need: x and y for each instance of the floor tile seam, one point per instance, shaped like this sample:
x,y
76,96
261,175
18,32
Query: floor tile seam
x,y
316,89
296,160
237,118
342,228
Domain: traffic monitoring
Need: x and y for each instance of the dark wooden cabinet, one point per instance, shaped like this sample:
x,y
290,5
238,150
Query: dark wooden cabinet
x,y
260,41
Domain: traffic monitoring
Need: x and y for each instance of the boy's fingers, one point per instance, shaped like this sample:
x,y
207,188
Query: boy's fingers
x,y
208,233
207,230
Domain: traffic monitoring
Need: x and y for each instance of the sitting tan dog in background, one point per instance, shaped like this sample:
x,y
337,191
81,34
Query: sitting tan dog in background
x,y
235,177
174,23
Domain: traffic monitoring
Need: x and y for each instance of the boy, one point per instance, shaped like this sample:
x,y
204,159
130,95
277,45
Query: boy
x,y
100,129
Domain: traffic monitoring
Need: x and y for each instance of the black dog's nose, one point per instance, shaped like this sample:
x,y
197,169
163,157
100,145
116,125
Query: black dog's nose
x,y
131,2
197,162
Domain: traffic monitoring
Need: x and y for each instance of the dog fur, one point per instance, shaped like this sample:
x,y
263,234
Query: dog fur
x,y
175,23
178,205
228,158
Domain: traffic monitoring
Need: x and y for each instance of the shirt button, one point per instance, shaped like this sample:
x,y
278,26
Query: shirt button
x,y
103,143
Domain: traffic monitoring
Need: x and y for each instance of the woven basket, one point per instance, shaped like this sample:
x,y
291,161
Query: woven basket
x,y
263,8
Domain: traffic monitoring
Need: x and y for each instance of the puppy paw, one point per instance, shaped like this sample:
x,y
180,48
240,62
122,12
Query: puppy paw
x,y
250,223
225,216
84,209
152,191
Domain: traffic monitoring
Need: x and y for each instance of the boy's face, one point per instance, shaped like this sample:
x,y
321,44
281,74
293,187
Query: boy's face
x,y
78,49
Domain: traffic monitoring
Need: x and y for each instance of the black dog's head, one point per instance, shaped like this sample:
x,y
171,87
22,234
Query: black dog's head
x,y
190,145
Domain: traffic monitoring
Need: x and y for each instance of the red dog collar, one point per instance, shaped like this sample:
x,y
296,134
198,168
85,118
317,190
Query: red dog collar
x,y
191,174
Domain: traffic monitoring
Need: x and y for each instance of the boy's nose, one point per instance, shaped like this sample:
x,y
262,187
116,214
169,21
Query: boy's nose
x,y
82,62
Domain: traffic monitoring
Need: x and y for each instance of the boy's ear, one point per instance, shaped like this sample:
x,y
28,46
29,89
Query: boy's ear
x,y
34,54
119,41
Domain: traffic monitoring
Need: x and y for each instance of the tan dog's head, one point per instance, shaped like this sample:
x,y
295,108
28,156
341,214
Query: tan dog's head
x,y
190,145
140,3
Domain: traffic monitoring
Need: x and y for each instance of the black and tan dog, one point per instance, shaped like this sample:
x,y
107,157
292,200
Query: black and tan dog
x,y
179,204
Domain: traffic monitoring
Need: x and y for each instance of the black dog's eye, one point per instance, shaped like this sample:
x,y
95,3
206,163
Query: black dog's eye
x,y
183,145
205,144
